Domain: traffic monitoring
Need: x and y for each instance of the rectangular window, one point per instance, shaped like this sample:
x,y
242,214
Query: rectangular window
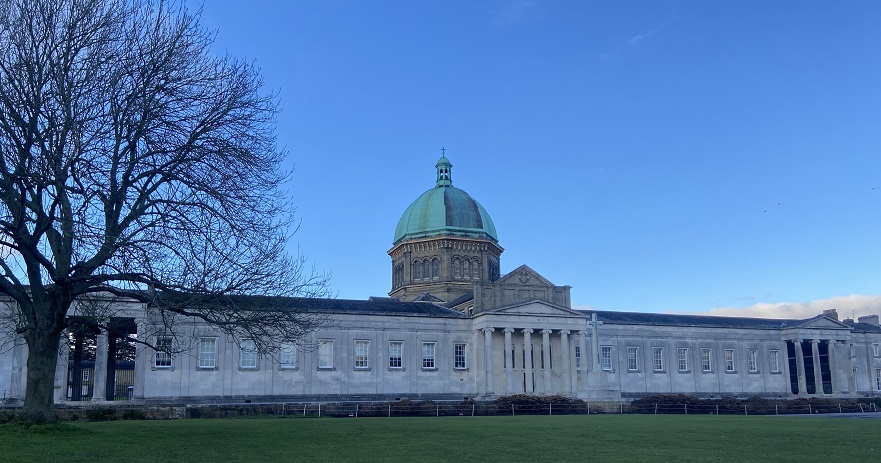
x,y
288,357
606,357
682,358
162,357
853,352
248,357
706,360
658,358
428,355
396,354
362,355
325,354
632,358
753,360
578,358
876,350
775,362
208,353
86,375
729,359
459,356
878,379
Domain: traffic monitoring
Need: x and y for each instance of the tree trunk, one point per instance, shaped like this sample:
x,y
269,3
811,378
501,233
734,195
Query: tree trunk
x,y
39,393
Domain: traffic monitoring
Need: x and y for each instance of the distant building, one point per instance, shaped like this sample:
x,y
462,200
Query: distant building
x,y
453,326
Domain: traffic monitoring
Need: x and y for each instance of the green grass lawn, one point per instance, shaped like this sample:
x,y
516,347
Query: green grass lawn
x,y
598,438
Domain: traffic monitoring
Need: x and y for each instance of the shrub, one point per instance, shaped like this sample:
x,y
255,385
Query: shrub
x,y
101,414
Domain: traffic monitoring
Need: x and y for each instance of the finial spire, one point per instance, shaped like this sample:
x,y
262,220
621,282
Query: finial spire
x,y
444,169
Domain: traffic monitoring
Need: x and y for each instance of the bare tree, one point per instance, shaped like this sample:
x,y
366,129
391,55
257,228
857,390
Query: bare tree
x,y
136,163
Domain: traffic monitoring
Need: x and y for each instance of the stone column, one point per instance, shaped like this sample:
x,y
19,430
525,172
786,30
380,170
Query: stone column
x,y
60,369
527,359
546,358
509,361
143,361
830,349
800,367
99,375
488,351
818,372
567,367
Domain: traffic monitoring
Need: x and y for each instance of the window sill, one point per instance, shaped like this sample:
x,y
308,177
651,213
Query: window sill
x,y
326,369
634,371
660,372
163,368
206,368
708,372
684,372
755,372
429,369
397,369
461,370
288,368
776,372
249,369
730,372
362,369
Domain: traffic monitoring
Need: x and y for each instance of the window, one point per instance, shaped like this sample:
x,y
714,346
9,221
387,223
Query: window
x,y
428,353
658,358
876,350
878,379
86,375
162,357
775,362
632,358
208,353
362,355
288,357
426,270
853,352
729,359
682,358
396,354
459,358
578,358
606,357
248,357
706,360
325,354
416,270
753,360
435,266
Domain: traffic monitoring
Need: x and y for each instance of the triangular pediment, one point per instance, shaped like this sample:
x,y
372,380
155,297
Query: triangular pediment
x,y
536,308
820,322
523,275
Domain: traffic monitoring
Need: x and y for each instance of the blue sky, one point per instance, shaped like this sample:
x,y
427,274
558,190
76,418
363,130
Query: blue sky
x,y
660,156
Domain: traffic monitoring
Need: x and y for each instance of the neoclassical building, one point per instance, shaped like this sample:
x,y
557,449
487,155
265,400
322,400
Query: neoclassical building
x,y
454,326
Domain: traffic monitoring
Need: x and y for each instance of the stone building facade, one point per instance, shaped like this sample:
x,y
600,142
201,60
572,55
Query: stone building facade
x,y
453,326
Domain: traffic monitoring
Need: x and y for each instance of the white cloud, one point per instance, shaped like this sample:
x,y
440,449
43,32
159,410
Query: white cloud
x,y
851,306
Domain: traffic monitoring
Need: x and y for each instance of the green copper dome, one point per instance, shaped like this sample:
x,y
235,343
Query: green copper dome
x,y
445,210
